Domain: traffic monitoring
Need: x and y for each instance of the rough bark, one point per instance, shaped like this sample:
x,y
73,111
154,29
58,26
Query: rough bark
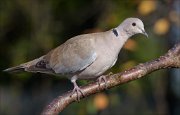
x,y
170,60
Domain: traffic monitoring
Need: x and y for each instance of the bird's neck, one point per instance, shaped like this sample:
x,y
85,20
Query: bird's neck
x,y
115,39
120,38
123,34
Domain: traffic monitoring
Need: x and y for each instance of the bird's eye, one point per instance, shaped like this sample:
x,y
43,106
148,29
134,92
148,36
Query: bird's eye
x,y
133,24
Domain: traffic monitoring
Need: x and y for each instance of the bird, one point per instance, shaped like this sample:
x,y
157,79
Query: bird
x,y
85,56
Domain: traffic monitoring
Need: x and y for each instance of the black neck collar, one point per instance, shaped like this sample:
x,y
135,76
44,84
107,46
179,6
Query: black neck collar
x,y
115,32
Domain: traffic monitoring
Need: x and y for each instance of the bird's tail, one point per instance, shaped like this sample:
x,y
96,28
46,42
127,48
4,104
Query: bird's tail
x,y
15,69
36,65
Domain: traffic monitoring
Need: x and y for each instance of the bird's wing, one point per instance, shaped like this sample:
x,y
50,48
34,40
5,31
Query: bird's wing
x,y
73,56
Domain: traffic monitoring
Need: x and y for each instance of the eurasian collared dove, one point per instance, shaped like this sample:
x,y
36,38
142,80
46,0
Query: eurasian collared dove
x,y
85,56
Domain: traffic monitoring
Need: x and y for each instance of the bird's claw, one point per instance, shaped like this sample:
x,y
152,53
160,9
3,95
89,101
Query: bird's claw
x,y
100,79
110,73
78,92
103,78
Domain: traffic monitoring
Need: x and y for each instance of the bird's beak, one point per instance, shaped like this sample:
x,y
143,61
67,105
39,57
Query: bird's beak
x,y
144,32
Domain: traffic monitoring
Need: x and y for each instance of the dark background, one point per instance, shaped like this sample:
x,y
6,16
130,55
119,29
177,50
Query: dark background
x,y
31,28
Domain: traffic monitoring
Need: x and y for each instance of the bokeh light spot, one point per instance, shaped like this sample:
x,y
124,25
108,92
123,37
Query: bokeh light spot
x,y
101,101
161,26
146,7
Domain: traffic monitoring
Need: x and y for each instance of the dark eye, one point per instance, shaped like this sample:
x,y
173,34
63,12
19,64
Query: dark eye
x,y
133,24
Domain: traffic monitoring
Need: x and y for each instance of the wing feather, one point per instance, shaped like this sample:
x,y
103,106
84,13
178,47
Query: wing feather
x,y
73,56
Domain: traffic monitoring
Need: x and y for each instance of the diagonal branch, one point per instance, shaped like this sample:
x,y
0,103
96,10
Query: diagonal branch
x,y
170,60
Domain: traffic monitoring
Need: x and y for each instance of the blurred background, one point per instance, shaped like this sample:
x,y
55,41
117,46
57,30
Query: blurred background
x,y
31,28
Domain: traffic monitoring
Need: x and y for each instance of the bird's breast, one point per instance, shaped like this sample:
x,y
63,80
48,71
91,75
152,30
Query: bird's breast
x,y
104,61
107,52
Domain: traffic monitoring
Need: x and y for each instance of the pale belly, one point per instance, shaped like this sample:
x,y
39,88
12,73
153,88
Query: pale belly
x,y
97,68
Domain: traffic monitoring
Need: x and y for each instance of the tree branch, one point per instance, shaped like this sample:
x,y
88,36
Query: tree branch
x,y
170,60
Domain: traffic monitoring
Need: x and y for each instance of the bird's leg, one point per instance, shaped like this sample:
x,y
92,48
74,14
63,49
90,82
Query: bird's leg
x,y
76,89
103,78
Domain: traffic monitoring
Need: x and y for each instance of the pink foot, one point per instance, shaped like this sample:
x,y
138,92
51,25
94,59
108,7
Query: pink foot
x,y
77,90
101,79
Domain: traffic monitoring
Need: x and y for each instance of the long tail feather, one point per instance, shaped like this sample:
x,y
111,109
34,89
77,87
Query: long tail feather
x,y
36,65
15,69
23,67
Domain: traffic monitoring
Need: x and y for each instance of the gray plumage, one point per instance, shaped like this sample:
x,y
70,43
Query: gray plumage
x,y
85,56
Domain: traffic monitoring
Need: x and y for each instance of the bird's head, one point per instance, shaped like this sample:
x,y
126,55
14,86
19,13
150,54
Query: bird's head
x,y
132,26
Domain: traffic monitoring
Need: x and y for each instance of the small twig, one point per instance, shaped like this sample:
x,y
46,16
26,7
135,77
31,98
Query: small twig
x,y
170,60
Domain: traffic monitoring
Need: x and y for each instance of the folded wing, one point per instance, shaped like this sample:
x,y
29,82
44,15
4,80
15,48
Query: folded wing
x,y
73,56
